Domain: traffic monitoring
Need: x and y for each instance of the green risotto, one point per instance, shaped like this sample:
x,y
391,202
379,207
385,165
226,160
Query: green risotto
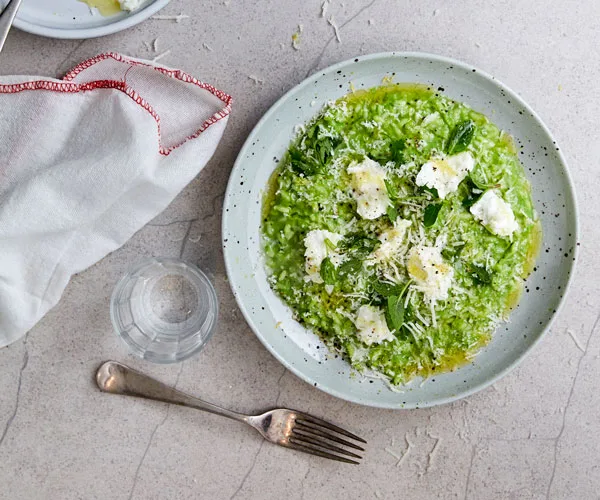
x,y
399,227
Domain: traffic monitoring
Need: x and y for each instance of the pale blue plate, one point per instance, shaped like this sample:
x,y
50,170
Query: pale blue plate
x,y
74,19
300,350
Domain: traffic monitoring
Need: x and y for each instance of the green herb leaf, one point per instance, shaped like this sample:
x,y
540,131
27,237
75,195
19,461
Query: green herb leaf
x,y
301,163
471,198
461,137
431,214
480,274
397,151
433,191
391,190
392,213
380,157
330,245
360,244
328,272
350,266
395,312
450,253
481,185
325,148
386,289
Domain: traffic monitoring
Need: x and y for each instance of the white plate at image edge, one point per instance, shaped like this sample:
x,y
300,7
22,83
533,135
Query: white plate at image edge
x,y
71,19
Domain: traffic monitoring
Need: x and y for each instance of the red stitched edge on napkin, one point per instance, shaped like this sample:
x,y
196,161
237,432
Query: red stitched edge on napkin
x,y
123,87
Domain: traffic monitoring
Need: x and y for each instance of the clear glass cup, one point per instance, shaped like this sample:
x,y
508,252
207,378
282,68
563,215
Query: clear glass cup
x,y
164,309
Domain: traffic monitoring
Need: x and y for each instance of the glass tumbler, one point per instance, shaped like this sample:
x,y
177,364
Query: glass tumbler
x,y
164,309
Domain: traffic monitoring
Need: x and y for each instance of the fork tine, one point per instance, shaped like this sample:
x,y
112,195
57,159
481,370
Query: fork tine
x,y
304,417
310,429
306,439
315,451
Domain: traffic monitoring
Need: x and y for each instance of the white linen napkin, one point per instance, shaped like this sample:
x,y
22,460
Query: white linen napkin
x,y
86,162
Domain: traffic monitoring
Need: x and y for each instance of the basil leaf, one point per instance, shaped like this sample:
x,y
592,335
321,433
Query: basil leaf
x,y
431,214
395,312
391,190
392,213
328,272
461,137
480,275
397,151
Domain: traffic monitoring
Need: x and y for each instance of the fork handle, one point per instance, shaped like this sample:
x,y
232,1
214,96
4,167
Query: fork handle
x,y
7,17
115,378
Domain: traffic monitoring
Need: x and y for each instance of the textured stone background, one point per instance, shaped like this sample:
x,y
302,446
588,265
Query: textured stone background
x,y
534,434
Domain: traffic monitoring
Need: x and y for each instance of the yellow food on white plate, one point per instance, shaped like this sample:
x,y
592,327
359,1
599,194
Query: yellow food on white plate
x,y
111,7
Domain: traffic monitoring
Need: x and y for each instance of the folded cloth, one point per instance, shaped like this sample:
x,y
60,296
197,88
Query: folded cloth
x,y
86,162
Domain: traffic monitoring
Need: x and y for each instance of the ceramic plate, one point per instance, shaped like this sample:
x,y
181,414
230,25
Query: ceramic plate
x,y
300,350
74,19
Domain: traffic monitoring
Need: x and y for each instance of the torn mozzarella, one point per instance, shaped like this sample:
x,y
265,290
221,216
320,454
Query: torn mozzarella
x,y
368,188
445,174
372,326
391,240
432,276
316,251
495,214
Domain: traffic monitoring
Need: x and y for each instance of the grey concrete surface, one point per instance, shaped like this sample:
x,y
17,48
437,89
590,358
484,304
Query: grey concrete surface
x,y
533,434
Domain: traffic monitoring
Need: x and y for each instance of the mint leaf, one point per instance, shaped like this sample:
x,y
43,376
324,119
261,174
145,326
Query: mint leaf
x,y
302,164
480,275
386,289
391,190
397,151
395,312
431,214
392,213
450,253
433,191
328,272
350,266
330,245
461,137
359,244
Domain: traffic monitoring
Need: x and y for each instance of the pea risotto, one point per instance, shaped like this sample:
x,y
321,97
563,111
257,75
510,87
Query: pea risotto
x,y
399,227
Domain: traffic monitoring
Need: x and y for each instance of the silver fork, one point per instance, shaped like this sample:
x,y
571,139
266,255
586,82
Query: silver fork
x,y
290,428
7,16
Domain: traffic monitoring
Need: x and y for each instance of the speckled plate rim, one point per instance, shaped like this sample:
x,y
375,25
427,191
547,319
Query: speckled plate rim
x,y
83,33
232,274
